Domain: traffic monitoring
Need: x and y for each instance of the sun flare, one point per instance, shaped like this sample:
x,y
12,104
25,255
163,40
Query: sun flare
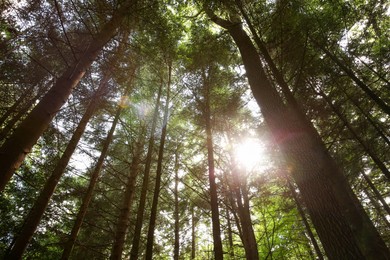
x,y
251,154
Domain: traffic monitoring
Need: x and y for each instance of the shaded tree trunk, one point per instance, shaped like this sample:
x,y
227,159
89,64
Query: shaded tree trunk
x,y
373,156
12,122
304,220
377,207
248,234
157,186
88,195
381,104
14,150
241,205
218,253
176,250
376,192
336,213
37,211
193,234
269,61
230,234
123,219
380,131
358,219
145,182
15,106
234,212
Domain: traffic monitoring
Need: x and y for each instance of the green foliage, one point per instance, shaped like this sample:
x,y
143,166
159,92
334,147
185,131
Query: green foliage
x,y
206,69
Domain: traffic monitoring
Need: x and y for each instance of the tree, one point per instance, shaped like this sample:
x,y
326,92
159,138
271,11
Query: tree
x,y
25,136
159,171
145,181
283,121
313,117
36,213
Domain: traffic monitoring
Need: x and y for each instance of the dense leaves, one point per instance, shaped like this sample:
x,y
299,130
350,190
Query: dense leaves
x,y
333,57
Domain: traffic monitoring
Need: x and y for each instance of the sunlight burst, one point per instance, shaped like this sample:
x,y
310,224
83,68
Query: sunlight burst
x,y
250,154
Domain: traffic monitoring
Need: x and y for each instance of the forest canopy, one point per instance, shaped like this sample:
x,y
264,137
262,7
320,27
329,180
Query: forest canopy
x,y
163,129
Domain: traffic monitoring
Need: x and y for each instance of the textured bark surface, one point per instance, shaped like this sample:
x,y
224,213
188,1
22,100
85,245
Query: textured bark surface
x,y
159,171
382,104
91,187
241,206
366,147
176,249
336,213
123,219
22,99
218,253
358,219
20,143
323,187
37,211
305,221
6,129
230,233
193,234
145,183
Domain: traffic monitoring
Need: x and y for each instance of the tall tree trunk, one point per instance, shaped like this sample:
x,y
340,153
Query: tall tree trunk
x,y
193,234
234,212
230,233
358,219
380,131
14,150
342,225
241,206
248,234
268,59
218,252
91,187
304,220
157,186
376,192
244,215
15,105
145,182
176,250
11,123
381,104
367,149
37,211
377,207
123,220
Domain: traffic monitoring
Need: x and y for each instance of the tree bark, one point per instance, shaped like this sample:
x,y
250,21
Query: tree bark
x,y
380,131
377,193
91,187
377,207
157,186
11,123
241,197
366,148
331,204
230,233
123,220
360,223
176,250
37,211
145,182
14,150
193,234
304,220
218,252
15,105
381,104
